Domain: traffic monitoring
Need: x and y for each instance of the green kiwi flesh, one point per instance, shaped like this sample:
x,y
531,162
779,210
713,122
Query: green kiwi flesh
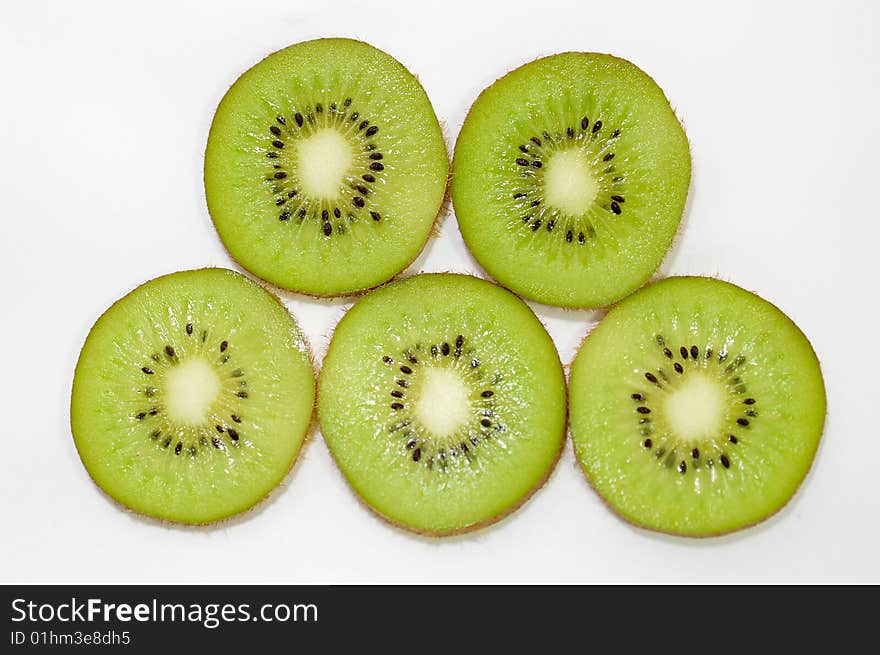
x,y
696,407
325,167
570,178
442,399
192,396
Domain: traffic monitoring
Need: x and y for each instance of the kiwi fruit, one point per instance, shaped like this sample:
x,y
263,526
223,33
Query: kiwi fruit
x,y
442,399
192,396
325,167
696,407
570,179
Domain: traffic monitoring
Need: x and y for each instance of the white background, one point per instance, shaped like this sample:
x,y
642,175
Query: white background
x,y
103,119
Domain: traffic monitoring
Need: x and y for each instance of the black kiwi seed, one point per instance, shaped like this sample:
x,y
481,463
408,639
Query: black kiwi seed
x,y
585,122
278,144
684,352
397,394
597,126
647,443
224,345
387,359
732,438
242,394
274,129
358,201
637,396
742,421
302,212
169,351
178,448
232,434
360,188
147,370
536,225
581,237
682,467
678,367
537,164
617,198
220,428
402,383
487,393
405,369
396,406
667,352
272,154
615,207
298,118
569,236
319,108
486,423
524,149
749,401
695,352
651,377
695,453
235,418
522,161
167,442
337,213
435,351
216,442
155,434
725,462
417,454
140,416
375,216
371,130
376,156
536,141
283,216
354,116
189,328
444,348
608,157
328,230
363,125
570,133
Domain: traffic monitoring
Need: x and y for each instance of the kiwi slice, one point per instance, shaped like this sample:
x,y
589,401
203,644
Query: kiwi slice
x,y
696,407
192,396
325,167
571,175
442,400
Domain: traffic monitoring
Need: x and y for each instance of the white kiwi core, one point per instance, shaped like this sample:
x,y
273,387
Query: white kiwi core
x,y
323,159
191,388
569,184
695,409
443,404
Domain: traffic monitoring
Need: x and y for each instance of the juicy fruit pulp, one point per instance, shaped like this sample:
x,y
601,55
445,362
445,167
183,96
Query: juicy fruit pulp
x,y
325,167
443,401
192,396
571,175
696,407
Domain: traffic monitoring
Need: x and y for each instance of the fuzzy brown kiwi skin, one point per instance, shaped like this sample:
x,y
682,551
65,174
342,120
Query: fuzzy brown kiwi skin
x,y
237,517
654,275
720,533
479,525
442,210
